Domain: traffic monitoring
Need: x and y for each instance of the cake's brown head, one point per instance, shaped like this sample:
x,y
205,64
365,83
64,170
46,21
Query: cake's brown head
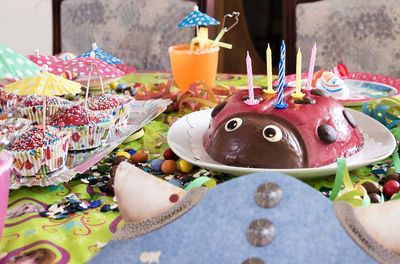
x,y
256,140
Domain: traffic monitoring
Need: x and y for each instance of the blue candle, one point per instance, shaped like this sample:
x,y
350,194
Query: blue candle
x,y
281,79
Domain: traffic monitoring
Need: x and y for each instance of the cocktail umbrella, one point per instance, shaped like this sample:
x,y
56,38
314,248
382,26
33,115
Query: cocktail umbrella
x,y
102,55
55,64
197,18
45,84
14,65
85,67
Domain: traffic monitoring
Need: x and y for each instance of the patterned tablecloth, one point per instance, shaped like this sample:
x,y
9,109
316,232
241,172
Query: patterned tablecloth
x,y
79,236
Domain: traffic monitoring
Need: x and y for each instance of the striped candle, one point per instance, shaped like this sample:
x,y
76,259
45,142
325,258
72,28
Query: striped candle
x,y
250,87
281,78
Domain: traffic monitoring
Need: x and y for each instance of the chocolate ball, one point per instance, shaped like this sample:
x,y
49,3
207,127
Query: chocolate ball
x,y
113,171
393,176
139,157
375,198
391,187
371,187
168,166
170,155
117,160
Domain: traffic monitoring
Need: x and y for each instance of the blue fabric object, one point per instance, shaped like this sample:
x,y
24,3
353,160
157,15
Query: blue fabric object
x,y
197,18
102,55
214,231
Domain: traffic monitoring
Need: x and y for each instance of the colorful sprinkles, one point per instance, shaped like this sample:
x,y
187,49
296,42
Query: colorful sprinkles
x,y
34,138
77,115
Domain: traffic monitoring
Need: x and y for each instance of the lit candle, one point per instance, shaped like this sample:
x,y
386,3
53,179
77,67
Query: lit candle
x,y
251,100
311,68
279,104
269,89
298,94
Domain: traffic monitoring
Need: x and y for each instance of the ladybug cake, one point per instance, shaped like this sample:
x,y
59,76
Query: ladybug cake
x,y
310,132
88,128
38,152
114,105
32,107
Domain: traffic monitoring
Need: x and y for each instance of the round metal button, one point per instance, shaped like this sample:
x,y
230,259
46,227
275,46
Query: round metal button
x,y
253,261
268,195
261,232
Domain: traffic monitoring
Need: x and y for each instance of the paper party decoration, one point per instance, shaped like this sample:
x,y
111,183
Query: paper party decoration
x,y
54,63
102,55
197,18
45,84
14,65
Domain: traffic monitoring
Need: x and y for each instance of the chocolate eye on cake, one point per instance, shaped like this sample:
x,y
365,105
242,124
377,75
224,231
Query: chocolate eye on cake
x,y
310,132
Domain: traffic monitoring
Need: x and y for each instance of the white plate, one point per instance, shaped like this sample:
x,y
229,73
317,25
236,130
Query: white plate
x,y
185,139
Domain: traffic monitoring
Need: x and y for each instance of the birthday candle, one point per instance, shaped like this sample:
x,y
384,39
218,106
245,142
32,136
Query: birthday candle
x,y
298,71
281,79
251,100
311,68
298,94
269,72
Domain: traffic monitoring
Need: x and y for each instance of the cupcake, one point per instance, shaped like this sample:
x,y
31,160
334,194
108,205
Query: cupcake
x,y
32,107
112,105
88,129
8,102
37,153
10,128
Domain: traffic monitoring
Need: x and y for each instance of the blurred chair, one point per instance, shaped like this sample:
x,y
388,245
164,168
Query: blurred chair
x,y
137,31
363,34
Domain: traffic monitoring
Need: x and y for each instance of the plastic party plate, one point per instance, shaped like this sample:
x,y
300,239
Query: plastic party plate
x,y
363,87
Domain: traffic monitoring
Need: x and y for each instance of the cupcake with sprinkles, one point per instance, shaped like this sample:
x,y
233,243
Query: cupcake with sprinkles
x,y
88,128
32,107
112,105
37,152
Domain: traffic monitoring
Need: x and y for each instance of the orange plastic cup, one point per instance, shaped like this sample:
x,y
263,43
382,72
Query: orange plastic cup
x,y
191,66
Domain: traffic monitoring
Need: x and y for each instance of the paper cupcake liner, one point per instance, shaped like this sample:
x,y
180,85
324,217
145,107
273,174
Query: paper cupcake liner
x,y
35,113
41,161
88,136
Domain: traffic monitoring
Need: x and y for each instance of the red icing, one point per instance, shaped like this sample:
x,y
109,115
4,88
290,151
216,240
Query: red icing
x,y
33,138
76,115
305,117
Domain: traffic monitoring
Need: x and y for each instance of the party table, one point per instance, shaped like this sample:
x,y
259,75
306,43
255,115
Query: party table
x,y
80,235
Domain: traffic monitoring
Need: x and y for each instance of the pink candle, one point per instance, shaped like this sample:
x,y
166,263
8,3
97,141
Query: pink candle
x,y
251,100
312,64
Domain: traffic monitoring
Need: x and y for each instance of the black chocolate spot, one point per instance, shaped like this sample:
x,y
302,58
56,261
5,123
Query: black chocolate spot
x,y
305,100
318,92
349,118
327,133
218,109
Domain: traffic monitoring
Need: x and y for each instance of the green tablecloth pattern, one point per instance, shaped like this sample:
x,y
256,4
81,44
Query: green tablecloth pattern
x,y
81,235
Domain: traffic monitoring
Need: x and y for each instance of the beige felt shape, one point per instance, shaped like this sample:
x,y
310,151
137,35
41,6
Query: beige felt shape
x,y
382,221
141,195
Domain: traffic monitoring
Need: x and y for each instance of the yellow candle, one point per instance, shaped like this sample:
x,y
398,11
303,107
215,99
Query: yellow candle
x,y
269,73
298,94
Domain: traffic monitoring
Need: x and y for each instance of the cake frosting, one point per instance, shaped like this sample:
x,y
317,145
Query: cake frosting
x,y
310,132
